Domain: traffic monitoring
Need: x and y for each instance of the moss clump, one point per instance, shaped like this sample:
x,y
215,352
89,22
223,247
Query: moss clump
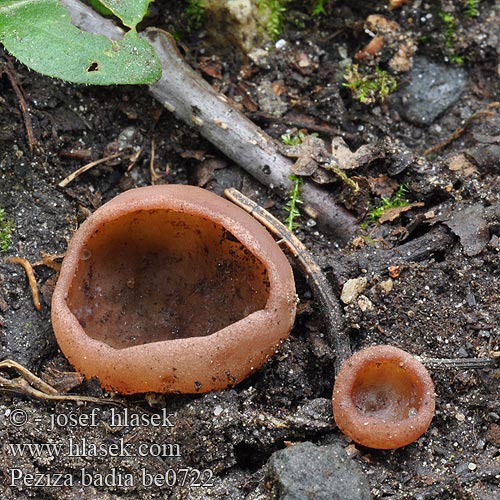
x,y
6,228
371,87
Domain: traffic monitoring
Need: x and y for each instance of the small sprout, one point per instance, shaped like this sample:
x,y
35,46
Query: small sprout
x,y
6,228
369,88
293,139
275,11
319,7
472,8
450,24
195,11
398,200
293,202
296,138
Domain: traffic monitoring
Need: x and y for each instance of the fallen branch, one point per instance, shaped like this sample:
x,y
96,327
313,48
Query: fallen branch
x,y
186,94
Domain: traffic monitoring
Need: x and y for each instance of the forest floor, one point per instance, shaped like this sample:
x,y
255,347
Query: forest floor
x,y
432,264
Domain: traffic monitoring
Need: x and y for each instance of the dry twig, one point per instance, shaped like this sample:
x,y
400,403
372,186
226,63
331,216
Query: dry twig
x,y
49,260
460,363
11,75
154,176
71,177
28,384
31,278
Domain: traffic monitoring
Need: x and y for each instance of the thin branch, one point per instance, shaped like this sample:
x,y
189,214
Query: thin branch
x,y
459,363
11,75
31,278
459,131
71,177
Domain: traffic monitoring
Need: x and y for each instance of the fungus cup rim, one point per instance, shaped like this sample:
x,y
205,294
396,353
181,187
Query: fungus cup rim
x,y
185,353
375,432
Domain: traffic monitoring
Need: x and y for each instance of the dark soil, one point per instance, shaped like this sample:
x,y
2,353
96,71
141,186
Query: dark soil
x,y
445,295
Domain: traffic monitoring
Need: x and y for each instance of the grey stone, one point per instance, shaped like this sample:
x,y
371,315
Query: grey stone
x,y
432,89
306,471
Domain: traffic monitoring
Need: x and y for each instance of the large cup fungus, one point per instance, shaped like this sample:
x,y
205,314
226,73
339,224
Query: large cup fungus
x,y
383,398
171,289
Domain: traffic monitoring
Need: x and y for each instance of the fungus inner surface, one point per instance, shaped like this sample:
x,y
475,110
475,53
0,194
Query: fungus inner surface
x,y
386,390
155,275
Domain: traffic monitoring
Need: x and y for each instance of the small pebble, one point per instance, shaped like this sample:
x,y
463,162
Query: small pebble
x,y
352,289
280,44
365,304
386,286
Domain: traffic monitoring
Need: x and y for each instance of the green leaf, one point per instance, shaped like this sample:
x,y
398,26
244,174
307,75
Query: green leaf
x,y
39,33
99,7
131,12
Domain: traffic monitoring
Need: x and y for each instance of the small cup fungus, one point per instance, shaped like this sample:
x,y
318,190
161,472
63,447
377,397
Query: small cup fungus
x,y
383,398
171,289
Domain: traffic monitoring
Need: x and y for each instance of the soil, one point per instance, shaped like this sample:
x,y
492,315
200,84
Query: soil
x,y
432,272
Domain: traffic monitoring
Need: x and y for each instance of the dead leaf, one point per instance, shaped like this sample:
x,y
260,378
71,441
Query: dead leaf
x,y
210,66
310,154
393,213
62,381
383,186
460,164
348,160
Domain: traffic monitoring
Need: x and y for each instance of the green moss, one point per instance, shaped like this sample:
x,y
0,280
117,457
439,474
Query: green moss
x,y
369,88
6,229
319,7
195,11
398,200
472,8
450,23
293,202
274,11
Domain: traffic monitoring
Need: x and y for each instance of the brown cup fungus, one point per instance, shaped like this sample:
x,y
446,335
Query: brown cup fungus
x,y
171,289
383,398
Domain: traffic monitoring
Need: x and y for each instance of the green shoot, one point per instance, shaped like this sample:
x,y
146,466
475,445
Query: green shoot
x,y
472,8
398,200
319,7
275,11
369,88
6,228
293,139
293,202
195,11
450,24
